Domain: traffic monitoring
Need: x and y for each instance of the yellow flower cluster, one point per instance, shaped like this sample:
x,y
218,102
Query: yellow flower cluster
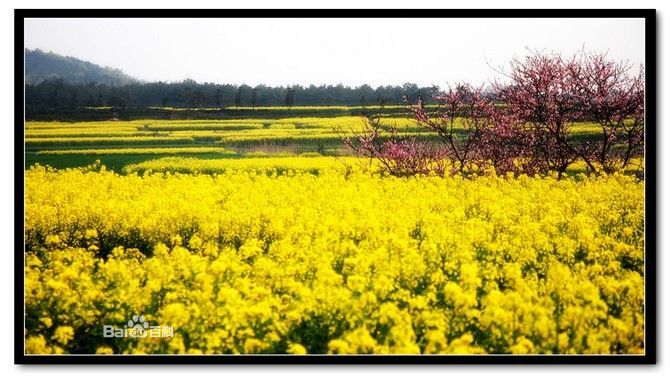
x,y
243,262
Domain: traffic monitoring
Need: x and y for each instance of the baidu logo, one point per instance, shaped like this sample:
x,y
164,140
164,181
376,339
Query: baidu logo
x,y
137,327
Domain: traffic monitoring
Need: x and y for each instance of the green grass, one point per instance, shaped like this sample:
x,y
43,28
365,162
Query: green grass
x,y
115,162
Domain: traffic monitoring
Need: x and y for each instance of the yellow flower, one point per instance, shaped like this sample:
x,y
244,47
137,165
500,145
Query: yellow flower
x,y
37,345
63,334
91,234
296,349
104,350
47,321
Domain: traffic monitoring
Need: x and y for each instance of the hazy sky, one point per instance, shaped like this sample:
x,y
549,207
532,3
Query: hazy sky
x,y
331,51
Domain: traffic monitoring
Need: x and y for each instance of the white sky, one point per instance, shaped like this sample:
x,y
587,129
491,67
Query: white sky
x,y
330,51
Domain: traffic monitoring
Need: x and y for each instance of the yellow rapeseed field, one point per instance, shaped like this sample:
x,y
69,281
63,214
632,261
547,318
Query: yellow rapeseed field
x,y
249,262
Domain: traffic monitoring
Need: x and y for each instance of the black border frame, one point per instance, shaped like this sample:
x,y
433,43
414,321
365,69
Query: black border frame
x,y
650,356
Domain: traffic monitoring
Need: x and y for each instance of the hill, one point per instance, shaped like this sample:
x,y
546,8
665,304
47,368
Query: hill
x,y
41,66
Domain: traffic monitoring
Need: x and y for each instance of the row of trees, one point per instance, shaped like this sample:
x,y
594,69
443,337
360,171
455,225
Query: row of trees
x,y
529,127
57,93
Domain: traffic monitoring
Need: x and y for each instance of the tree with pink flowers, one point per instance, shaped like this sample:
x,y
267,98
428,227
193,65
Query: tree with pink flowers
x,y
525,123
611,94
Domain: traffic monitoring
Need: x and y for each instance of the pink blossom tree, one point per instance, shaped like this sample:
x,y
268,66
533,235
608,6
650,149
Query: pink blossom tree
x,y
509,147
528,125
460,122
611,94
550,94
543,97
399,156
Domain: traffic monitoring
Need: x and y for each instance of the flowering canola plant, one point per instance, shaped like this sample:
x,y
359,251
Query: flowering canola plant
x,y
248,262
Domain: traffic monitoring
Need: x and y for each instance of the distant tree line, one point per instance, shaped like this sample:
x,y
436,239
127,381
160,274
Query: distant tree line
x,y
58,94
